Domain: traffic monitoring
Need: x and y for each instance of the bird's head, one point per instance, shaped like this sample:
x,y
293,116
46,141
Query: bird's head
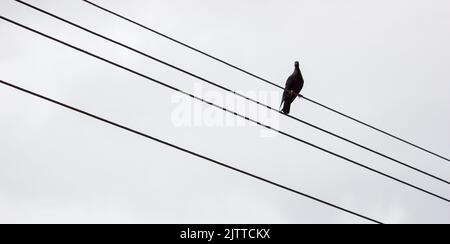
x,y
297,64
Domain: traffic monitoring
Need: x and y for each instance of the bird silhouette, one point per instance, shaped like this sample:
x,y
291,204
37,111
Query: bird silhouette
x,y
294,85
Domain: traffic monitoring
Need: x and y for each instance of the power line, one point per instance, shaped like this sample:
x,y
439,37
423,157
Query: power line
x,y
226,110
229,90
187,151
263,79
376,129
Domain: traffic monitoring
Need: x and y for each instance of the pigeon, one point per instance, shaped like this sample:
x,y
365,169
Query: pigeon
x,y
294,85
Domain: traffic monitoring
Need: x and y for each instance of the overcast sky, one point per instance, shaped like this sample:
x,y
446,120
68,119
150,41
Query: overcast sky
x,y
385,62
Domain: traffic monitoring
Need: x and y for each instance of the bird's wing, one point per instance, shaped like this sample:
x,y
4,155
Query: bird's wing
x,y
298,86
290,83
299,82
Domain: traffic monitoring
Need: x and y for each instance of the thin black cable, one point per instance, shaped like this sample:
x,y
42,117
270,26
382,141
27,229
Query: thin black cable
x,y
376,129
228,90
262,79
186,151
226,110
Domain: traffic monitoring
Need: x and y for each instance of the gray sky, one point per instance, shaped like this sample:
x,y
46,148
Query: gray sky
x,y
386,62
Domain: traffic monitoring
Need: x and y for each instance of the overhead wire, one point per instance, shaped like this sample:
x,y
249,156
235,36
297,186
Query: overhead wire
x,y
231,91
262,79
228,166
226,110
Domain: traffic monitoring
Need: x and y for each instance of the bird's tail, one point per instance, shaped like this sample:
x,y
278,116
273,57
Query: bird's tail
x,y
286,108
282,99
